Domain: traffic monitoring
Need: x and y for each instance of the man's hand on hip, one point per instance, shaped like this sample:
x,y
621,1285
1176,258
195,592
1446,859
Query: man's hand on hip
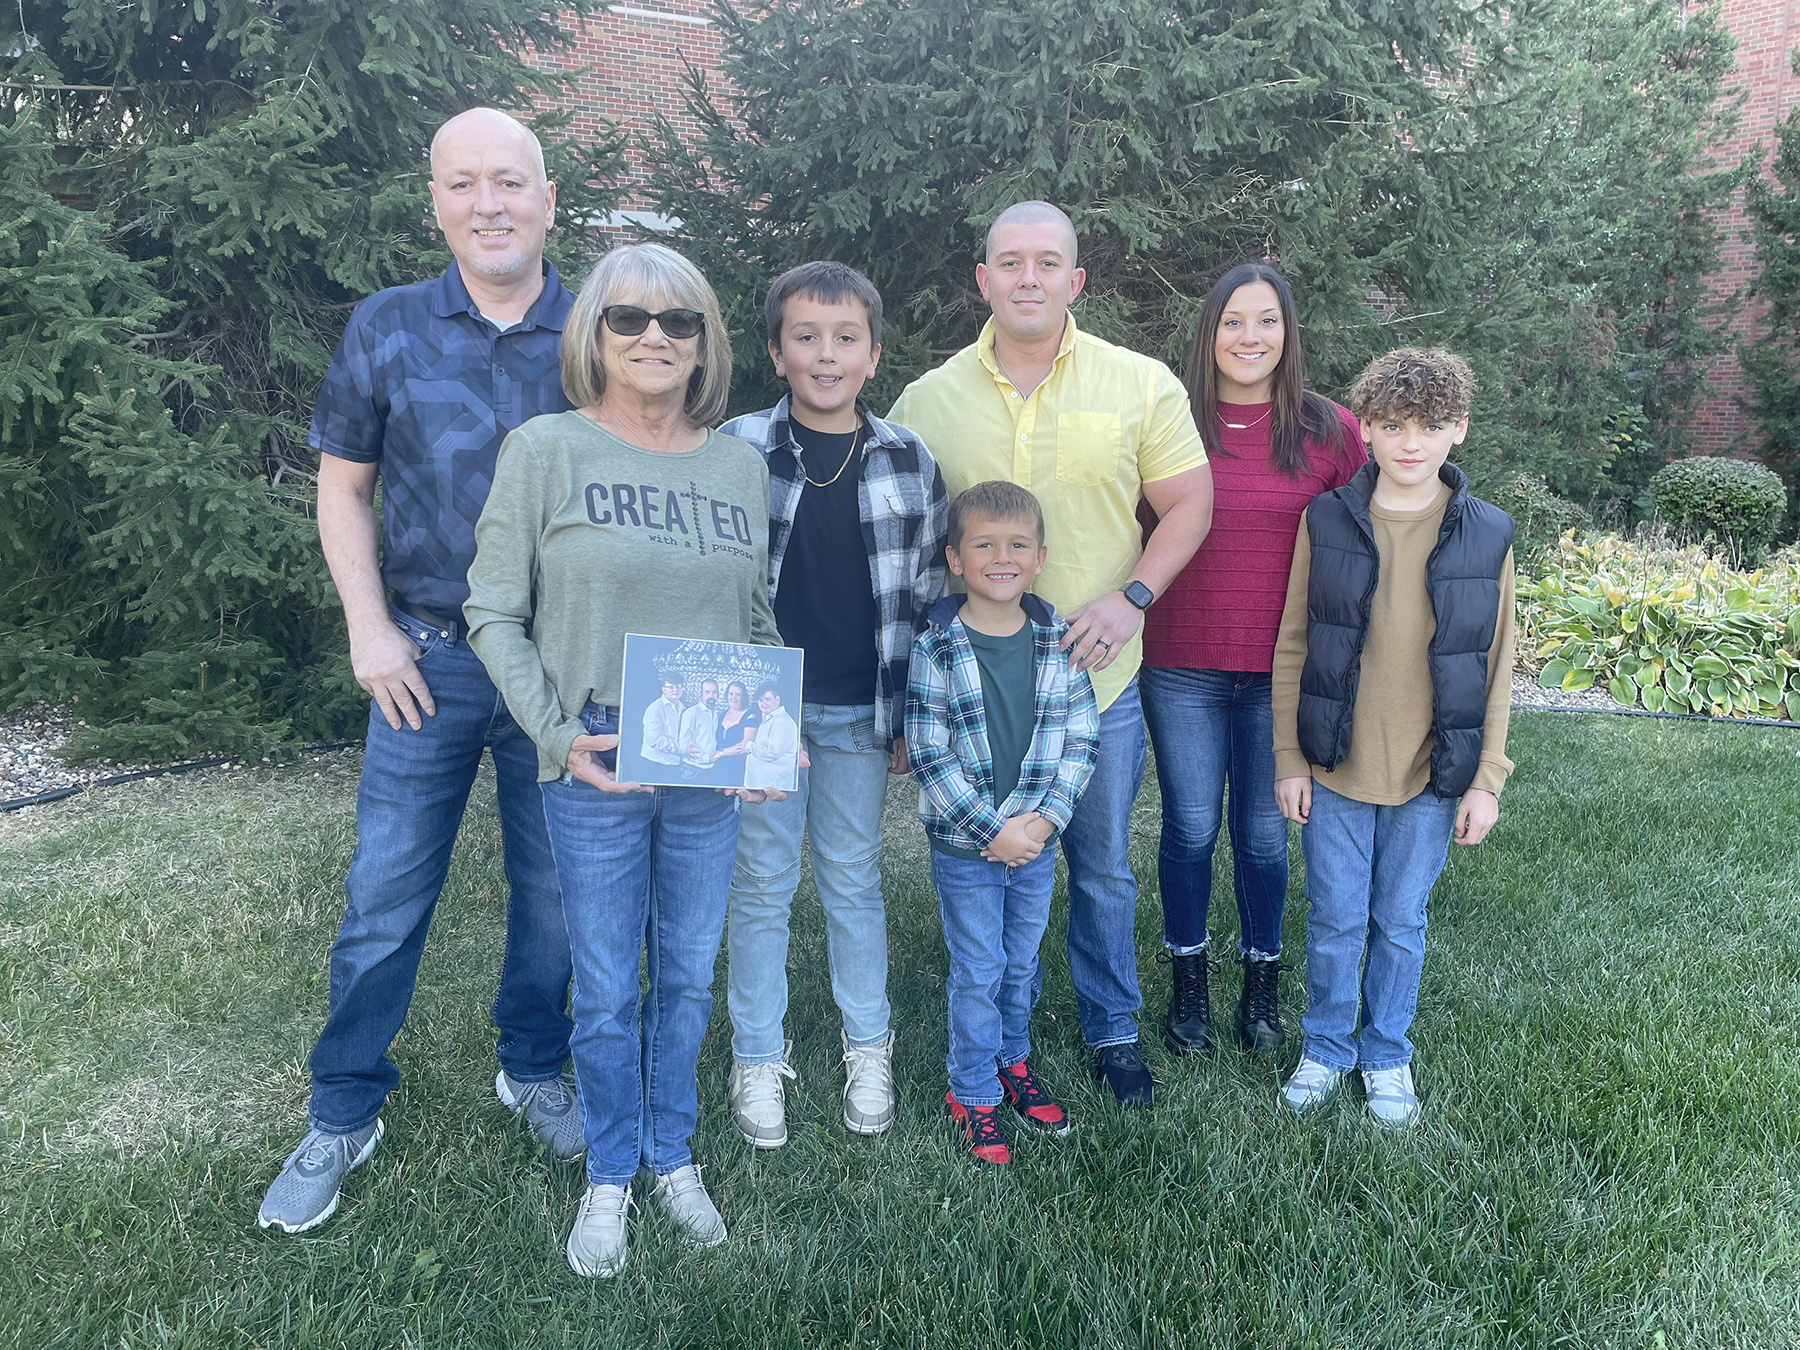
x,y
1099,630
384,661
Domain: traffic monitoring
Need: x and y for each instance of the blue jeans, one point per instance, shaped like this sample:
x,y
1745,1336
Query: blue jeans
x,y
1208,727
839,803
640,870
994,921
1369,870
409,807
1102,890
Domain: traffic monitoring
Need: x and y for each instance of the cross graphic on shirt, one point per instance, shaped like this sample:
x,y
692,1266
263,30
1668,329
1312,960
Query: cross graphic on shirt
x,y
696,496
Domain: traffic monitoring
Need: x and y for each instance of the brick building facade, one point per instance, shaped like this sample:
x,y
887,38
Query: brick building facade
x,y
632,57
631,62
1767,31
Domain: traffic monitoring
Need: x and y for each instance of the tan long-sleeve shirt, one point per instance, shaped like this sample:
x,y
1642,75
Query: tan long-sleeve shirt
x,y
1390,729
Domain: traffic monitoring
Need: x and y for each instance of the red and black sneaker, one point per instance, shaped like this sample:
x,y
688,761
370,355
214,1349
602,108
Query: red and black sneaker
x,y
1036,1107
981,1127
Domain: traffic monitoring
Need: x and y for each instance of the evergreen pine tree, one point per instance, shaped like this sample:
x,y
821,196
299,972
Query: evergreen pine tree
x,y
1529,185
197,192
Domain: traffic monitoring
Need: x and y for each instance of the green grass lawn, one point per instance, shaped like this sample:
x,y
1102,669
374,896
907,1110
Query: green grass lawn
x,y
1608,1058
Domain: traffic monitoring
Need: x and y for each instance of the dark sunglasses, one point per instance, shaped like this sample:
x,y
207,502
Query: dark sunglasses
x,y
630,320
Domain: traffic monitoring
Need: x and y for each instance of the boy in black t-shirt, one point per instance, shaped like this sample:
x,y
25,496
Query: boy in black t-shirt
x,y
857,514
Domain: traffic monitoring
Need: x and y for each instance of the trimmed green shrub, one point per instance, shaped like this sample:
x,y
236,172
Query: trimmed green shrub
x,y
1737,503
1668,630
1541,516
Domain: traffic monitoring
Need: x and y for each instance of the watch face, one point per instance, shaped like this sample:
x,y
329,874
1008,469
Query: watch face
x,y
1139,594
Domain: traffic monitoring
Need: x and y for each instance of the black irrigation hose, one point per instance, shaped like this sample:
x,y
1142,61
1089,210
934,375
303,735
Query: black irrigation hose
x,y
1669,716
57,794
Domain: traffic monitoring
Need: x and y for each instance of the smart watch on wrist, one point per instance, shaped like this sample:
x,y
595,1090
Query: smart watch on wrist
x,y
1139,594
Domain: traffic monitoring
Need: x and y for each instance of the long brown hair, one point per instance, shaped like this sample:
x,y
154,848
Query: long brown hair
x,y
1295,413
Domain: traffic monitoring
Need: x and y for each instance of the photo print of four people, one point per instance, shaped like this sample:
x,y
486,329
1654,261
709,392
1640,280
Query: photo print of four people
x,y
710,714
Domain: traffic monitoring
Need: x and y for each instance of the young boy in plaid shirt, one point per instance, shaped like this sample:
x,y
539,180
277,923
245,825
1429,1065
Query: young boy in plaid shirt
x,y
856,556
1003,737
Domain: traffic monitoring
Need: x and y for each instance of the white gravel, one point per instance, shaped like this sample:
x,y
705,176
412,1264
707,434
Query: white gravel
x,y
1527,694
31,763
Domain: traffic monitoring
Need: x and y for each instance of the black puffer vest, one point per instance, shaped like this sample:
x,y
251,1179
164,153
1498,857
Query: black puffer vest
x,y
1462,578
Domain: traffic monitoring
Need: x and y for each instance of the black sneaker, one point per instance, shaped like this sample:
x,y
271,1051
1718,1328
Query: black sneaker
x,y
1259,1007
1188,1027
1122,1068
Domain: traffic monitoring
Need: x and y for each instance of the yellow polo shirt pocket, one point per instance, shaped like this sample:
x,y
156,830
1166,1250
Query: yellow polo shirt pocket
x,y
1088,446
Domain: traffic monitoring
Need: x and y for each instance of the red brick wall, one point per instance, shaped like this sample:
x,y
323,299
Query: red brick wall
x,y
630,59
1766,32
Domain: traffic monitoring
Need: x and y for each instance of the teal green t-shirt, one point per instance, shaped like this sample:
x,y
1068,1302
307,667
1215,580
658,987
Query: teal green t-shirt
x,y
1009,697
1008,667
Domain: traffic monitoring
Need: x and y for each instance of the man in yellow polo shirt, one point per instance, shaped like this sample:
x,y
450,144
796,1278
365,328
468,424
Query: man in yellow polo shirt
x,y
1088,427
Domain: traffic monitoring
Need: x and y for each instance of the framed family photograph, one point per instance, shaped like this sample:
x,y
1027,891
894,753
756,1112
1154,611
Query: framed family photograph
x,y
710,714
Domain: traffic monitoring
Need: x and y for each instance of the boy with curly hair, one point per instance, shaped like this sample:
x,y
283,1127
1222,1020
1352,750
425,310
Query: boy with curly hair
x,y
1391,683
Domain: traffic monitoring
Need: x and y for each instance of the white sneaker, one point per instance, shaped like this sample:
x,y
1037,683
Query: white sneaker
x,y
596,1246
1390,1096
868,1086
758,1100
1309,1084
685,1200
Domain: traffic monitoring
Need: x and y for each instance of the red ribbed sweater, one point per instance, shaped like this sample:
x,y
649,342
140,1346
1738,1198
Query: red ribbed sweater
x,y
1223,611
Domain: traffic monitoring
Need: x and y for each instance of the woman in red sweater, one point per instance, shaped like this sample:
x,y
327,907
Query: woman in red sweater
x,y
1209,642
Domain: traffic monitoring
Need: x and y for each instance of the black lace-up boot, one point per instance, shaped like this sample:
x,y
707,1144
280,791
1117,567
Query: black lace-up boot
x,y
1259,1009
1188,1027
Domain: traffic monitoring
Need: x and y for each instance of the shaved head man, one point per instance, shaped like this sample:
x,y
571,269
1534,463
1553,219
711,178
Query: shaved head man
x,y
426,382
1090,428
493,204
1033,213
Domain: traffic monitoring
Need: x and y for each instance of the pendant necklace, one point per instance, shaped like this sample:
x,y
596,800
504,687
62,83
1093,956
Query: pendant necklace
x,y
840,473
1245,426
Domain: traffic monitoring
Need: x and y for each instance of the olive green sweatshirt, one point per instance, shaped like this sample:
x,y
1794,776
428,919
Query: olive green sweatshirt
x,y
1390,728
586,538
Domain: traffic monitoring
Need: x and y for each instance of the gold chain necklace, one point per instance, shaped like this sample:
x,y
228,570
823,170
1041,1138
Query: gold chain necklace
x,y
1245,426
840,473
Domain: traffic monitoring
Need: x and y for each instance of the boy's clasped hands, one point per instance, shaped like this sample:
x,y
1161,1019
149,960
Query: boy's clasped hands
x,y
1020,840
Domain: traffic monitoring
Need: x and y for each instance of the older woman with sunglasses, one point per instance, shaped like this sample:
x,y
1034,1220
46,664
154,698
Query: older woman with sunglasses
x,y
628,514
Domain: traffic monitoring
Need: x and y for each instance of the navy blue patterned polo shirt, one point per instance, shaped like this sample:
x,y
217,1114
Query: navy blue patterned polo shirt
x,y
427,388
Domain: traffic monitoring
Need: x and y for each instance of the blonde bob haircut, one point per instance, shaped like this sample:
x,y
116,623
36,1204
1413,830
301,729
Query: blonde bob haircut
x,y
656,278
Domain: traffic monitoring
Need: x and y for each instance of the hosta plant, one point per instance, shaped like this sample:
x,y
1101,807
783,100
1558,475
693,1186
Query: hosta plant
x,y
1673,630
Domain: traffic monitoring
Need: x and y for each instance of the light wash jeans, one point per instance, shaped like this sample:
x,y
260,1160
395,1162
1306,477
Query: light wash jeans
x,y
643,875
1102,890
1210,727
838,804
994,920
1369,870
409,807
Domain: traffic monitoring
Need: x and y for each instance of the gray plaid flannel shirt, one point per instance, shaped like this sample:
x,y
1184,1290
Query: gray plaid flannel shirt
x,y
905,521
947,740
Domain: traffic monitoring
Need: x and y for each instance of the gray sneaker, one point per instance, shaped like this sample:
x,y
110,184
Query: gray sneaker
x,y
550,1108
305,1192
1391,1097
868,1086
685,1200
596,1245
